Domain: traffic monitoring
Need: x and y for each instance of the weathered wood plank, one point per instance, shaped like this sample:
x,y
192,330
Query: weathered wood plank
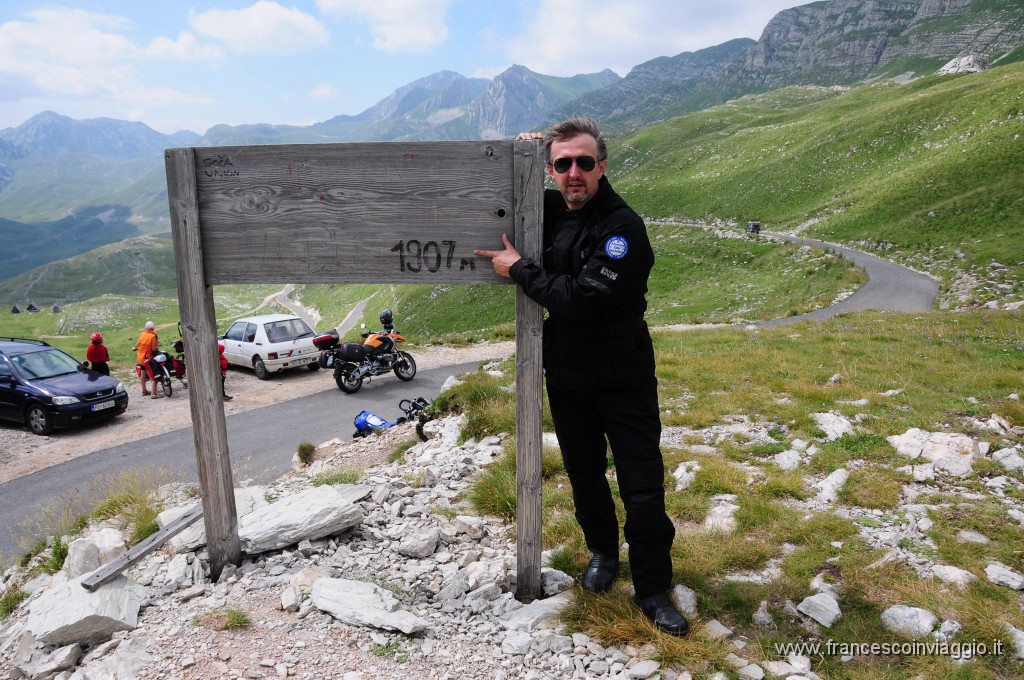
x,y
388,212
108,571
529,169
199,327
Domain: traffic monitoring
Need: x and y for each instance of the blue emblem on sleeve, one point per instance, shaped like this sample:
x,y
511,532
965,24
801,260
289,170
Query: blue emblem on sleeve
x,y
616,247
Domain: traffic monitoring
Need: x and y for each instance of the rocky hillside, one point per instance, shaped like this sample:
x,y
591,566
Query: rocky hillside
x,y
838,42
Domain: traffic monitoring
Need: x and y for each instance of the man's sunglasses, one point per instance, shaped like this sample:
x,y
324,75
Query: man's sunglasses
x,y
584,163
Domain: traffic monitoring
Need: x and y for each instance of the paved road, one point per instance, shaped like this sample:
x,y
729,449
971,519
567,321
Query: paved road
x,y
261,442
889,287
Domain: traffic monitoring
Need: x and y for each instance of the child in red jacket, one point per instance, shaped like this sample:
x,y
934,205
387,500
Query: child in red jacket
x,y
223,371
97,355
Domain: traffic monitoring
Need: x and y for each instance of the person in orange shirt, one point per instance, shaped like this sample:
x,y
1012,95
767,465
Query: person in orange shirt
x,y
146,347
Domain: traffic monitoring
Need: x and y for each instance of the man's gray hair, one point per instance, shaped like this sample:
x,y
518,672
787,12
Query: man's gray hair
x,y
577,125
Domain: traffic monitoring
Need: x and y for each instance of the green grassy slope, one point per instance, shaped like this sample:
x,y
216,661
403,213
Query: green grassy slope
x,y
930,172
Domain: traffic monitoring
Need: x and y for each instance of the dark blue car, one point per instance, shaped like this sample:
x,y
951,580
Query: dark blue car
x,y
45,388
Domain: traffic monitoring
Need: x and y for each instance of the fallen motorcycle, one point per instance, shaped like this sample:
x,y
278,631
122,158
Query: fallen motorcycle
x,y
378,354
367,423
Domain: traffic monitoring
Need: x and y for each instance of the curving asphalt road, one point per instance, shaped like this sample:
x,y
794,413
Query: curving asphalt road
x,y
889,287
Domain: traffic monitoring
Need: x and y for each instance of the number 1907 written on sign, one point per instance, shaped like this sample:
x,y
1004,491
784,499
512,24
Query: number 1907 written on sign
x,y
415,256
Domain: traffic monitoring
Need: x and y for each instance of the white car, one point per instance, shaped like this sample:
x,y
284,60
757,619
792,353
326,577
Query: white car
x,y
270,343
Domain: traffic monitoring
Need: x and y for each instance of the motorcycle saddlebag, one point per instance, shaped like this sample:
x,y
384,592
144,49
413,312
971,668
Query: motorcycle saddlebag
x,y
353,351
328,340
326,358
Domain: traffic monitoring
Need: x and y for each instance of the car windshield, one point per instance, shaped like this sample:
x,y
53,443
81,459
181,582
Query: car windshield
x,y
45,363
286,330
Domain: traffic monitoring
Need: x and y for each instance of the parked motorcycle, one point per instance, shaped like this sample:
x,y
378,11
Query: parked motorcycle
x,y
378,354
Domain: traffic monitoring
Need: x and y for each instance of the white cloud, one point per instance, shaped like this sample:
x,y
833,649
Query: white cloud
x,y
69,57
265,27
186,48
324,91
567,37
396,25
66,50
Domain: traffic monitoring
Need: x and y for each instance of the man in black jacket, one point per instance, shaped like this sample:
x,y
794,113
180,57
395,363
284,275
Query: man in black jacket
x,y
599,363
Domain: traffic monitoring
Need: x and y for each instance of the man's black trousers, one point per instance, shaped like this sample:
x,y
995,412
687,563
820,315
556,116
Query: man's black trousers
x,y
586,423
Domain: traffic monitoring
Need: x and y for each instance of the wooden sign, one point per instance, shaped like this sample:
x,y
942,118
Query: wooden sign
x,y
354,213
390,212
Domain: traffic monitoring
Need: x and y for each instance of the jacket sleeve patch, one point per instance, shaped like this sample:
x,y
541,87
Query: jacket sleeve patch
x,y
608,273
616,247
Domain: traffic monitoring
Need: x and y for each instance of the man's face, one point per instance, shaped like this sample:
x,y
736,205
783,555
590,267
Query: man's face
x,y
576,184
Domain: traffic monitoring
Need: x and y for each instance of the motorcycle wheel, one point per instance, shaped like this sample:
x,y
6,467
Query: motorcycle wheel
x,y
405,367
347,383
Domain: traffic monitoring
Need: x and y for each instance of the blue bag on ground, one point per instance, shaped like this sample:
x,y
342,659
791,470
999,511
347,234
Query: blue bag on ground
x,y
366,422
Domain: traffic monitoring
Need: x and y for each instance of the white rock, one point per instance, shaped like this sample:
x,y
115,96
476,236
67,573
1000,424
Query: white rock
x,y
913,622
420,544
715,630
828,488
643,669
1016,640
750,672
538,614
1009,458
954,575
822,607
1002,575
787,460
686,599
721,515
833,423
969,536
91,552
314,513
193,537
358,603
970,63
685,474
70,614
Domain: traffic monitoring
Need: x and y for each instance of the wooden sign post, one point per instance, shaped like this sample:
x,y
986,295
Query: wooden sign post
x,y
388,212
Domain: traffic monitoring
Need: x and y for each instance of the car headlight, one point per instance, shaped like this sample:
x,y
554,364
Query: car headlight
x,y
64,401
119,388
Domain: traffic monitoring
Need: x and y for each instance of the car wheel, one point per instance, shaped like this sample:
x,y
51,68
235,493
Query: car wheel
x,y
38,420
315,366
261,369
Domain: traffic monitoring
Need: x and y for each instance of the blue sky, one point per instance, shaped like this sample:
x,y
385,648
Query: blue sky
x,y
188,66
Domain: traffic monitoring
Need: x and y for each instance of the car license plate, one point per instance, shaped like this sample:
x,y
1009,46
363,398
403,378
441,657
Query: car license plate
x,y
302,361
102,405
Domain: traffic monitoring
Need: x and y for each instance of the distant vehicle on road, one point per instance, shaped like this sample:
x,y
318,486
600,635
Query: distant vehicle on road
x,y
754,226
269,343
45,388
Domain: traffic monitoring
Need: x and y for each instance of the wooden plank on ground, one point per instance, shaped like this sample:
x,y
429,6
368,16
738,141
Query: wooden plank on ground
x,y
108,571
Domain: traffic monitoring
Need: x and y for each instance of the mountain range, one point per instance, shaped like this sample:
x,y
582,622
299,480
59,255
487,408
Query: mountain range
x,y
52,166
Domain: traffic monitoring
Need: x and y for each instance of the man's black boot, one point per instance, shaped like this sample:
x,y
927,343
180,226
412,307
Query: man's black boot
x,y
600,573
663,613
